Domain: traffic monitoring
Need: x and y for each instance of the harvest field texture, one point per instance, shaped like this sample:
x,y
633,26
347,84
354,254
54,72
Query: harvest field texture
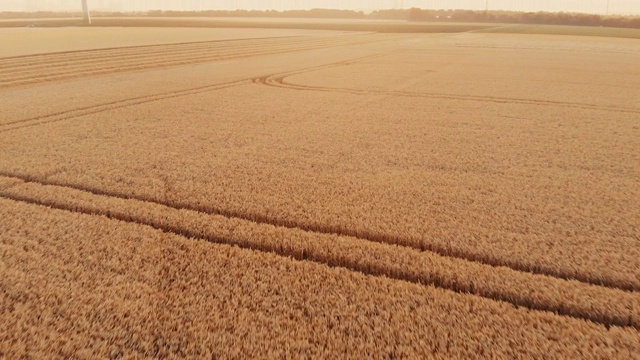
x,y
281,193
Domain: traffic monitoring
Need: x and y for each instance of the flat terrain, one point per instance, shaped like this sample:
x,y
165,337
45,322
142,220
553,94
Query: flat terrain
x,y
30,41
272,193
609,32
145,25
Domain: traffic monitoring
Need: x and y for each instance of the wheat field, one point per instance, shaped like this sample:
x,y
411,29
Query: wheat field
x,y
274,193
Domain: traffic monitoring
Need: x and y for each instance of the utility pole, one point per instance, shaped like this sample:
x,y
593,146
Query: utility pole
x,y
608,3
86,17
486,6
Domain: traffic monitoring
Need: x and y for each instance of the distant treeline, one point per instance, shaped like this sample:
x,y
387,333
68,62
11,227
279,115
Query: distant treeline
x,y
416,15
511,17
314,13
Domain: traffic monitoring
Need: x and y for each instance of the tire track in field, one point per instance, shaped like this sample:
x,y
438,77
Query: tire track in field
x,y
53,57
600,280
89,110
119,66
319,228
94,109
105,62
125,211
124,65
38,60
168,53
105,53
279,80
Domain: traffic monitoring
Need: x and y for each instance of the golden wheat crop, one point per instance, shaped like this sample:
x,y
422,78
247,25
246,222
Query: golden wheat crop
x,y
326,193
127,290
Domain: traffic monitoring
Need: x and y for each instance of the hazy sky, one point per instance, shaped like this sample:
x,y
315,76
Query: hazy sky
x,y
589,6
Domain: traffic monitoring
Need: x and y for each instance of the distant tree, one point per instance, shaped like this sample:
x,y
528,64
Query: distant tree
x,y
413,14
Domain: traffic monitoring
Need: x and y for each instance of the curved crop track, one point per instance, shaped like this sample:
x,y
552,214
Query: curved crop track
x,y
279,80
390,171
94,109
32,69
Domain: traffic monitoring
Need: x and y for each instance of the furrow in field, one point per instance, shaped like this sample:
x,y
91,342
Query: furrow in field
x,y
609,307
162,48
123,64
74,113
146,294
598,278
168,51
40,61
58,57
78,69
278,80
529,264
486,258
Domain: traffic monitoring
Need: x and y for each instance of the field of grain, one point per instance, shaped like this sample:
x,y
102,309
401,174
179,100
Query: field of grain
x,y
608,32
243,193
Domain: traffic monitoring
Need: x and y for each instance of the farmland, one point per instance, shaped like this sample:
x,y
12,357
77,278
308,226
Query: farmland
x,y
268,192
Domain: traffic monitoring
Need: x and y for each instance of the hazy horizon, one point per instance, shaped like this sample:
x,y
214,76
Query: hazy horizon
x,y
624,7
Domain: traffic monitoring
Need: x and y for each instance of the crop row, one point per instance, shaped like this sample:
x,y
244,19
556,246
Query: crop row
x,y
572,298
88,110
58,66
427,185
127,290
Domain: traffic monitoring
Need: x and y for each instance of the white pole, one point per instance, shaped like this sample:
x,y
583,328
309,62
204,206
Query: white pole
x,y
86,17
608,3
